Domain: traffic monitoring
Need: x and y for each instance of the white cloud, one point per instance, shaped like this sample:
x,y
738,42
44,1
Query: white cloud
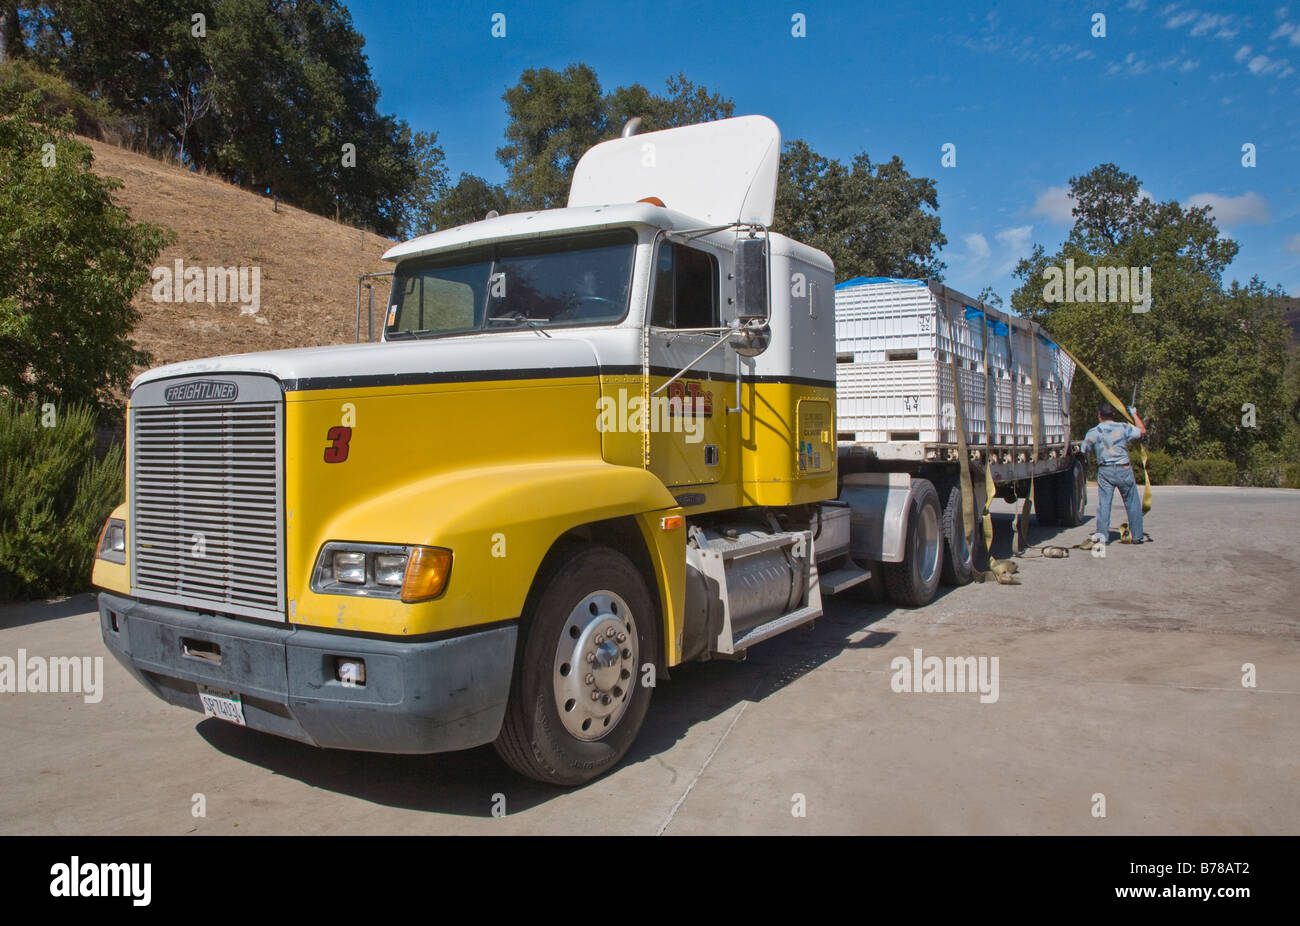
x,y
1293,244
983,260
1246,209
1182,64
1288,31
978,247
1132,63
1221,26
1016,243
1055,204
1263,64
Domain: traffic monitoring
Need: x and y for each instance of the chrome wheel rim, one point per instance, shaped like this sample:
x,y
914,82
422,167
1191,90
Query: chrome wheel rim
x,y
928,536
595,666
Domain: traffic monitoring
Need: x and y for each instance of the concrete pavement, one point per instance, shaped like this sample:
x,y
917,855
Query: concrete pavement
x,y
1120,677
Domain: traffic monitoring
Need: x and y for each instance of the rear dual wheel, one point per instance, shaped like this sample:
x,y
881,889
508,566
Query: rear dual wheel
x,y
1045,499
1072,494
914,581
958,560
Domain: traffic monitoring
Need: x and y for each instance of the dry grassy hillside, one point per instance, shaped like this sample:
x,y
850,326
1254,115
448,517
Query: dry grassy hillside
x,y
309,264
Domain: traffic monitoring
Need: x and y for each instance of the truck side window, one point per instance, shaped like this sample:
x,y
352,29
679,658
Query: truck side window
x,y
686,288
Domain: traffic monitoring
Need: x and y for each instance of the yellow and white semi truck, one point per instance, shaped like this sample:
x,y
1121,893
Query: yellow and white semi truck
x,y
593,442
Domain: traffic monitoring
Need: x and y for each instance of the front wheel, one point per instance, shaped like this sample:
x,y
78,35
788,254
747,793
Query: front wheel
x,y
576,702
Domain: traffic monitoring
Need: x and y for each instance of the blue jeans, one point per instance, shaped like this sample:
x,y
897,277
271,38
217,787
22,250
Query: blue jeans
x,y
1109,478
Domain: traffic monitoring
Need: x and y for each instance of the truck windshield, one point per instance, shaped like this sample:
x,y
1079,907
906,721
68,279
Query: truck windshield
x,y
555,282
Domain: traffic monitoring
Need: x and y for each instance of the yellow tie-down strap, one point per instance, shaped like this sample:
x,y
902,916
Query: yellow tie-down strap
x,y
1002,570
1123,410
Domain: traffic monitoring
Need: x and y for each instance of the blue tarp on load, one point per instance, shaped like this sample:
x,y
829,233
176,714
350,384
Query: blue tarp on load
x,y
999,328
859,281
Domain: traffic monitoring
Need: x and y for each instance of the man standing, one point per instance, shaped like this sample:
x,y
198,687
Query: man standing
x,y
1114,471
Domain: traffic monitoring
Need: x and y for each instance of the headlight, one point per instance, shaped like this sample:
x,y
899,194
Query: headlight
x,y
390,568
112,541
411,573
349,567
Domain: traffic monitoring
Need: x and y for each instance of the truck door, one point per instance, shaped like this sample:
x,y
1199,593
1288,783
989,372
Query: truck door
x,y
688,420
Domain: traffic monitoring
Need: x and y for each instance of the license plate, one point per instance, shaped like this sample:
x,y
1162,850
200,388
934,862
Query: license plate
x,y
224,705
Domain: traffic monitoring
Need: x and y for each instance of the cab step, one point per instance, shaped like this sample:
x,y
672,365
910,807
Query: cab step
x,y
832,583
773,627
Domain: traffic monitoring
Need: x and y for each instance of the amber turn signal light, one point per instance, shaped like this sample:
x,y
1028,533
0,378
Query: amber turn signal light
x,y
427,572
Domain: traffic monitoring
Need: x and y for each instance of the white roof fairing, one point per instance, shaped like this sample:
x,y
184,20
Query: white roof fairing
x,y
721,172
712,174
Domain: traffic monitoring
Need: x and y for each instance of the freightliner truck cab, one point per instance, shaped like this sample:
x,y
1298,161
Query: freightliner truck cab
x,y
594,442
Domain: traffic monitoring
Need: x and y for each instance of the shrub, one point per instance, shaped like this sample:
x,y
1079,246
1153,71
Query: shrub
x,y
54,497
1206,472
70,261
1160,467
1291,476
90,116
1262,468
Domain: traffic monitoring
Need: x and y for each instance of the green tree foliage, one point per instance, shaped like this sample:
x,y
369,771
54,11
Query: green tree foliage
x,y
90,116
872,219
70,262
1199,354
469,200
138,56
555,116
54,497
429,189
685,104
265,94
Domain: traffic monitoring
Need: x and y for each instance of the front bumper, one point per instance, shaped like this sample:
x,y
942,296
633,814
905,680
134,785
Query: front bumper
x,y
418,697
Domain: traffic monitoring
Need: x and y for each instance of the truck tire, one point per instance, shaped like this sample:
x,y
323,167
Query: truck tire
x,y
576,701
1045,500
1072,494
914,581
957,561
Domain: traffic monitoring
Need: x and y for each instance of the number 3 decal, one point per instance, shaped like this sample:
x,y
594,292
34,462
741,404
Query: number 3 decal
x,y
337,452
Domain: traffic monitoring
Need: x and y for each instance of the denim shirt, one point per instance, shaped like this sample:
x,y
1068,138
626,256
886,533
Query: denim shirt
x,y
1110,440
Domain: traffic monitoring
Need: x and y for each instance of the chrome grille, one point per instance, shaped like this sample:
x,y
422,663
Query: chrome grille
x,y
207,495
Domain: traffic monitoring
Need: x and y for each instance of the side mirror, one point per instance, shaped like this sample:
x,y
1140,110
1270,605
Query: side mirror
x,y
752,297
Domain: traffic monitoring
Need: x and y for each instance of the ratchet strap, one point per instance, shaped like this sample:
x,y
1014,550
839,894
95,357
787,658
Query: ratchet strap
x,y
1035,400
1123,410
1002,571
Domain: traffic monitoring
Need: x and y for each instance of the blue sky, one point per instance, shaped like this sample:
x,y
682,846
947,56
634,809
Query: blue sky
x,y
1024,90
